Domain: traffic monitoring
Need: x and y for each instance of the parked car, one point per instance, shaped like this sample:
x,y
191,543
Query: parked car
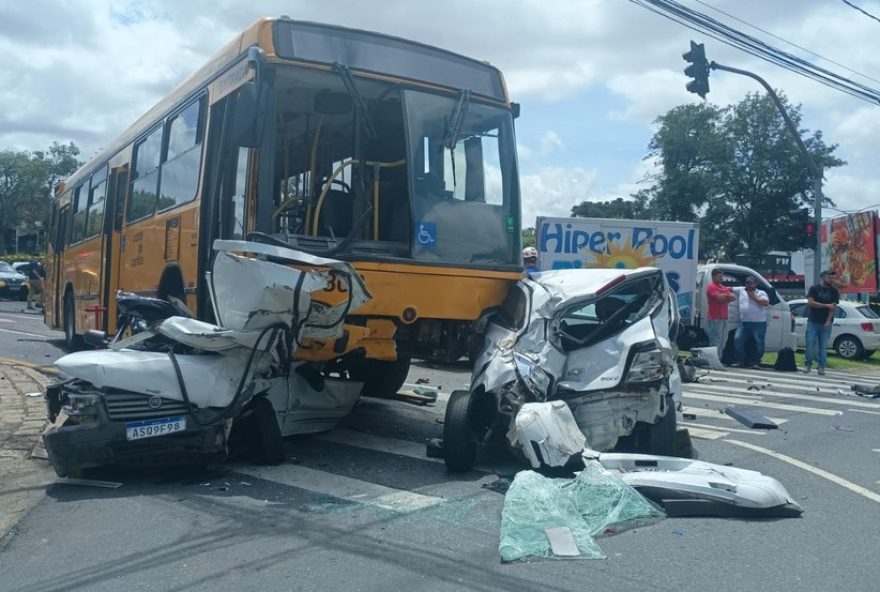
x,y
12,283
855,332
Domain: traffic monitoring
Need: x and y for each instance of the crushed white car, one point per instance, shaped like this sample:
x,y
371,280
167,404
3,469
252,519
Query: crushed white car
x,y
181,386
600,340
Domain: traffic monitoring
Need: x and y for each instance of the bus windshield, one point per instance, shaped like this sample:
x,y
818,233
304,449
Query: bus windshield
x,y
465,194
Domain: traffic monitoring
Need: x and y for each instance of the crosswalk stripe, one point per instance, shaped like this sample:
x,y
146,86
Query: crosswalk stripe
x,y
715,414
771,393
344,488
863,411
720,429
761,403
704,434
378,443
830,377
810,385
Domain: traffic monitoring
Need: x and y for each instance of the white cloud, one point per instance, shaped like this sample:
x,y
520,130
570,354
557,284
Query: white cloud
x,y
552,191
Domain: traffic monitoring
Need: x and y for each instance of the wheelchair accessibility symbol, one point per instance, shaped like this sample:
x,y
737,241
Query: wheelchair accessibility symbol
x,y
427,235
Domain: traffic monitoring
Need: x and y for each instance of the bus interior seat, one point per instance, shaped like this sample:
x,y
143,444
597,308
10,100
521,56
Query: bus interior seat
x,y
336,214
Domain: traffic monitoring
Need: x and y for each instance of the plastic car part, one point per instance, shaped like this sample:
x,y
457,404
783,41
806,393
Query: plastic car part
x,y
548,433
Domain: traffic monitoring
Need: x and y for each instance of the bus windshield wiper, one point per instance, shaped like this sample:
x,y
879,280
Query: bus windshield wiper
x,y
456,120
360,103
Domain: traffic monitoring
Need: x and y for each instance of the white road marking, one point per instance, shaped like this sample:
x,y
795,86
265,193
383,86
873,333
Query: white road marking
x,y
38,318
702,434
764,404
810,468
723,430
863,411
875,450
378,443
345,488
24,333
810,384
716,414
771,393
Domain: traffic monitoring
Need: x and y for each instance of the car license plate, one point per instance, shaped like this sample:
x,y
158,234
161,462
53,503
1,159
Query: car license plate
x,y
150,428
13,288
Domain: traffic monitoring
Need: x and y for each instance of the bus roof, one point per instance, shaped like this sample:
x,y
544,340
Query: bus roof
x,y
259,33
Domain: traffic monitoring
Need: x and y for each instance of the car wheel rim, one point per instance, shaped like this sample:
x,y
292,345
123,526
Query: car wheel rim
x,y
847,349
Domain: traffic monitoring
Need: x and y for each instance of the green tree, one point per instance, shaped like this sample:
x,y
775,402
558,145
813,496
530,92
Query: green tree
x,y
616,208
27,180
736,170
528,237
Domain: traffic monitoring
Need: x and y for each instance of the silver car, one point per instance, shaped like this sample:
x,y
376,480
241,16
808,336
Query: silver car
x,y
855,331
602,341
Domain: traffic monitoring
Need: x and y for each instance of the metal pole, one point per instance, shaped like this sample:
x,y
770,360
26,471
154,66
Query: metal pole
x,y
817,174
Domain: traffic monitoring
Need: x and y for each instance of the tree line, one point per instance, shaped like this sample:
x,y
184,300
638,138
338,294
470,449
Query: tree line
x,y
27,182
736,170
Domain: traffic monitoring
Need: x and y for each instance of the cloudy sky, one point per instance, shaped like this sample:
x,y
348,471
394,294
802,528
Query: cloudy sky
x,y
591,75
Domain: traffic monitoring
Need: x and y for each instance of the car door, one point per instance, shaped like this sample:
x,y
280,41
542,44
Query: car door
x,y
799,312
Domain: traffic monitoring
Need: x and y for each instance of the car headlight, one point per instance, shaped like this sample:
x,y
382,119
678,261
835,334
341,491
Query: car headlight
x,y
2,284
646,366
85,406
536,379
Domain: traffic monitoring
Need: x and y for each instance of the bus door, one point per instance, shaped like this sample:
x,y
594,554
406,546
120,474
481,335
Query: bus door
x,y
55,272
112,233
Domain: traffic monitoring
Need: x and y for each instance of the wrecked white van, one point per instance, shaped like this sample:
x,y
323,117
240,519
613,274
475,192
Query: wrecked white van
x,y
600,340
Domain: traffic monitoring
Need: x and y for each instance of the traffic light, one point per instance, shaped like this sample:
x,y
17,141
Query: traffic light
x,y
698,70
810,234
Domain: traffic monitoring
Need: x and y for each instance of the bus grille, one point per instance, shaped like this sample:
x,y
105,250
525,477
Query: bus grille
x,y
131,406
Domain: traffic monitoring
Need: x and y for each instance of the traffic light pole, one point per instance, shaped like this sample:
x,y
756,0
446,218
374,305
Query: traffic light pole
x,y
816,173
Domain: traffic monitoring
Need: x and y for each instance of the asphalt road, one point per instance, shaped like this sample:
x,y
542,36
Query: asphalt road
x,y
362,508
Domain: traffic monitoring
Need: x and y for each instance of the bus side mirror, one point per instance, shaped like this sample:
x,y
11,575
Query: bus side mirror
x,y
245,129
514,108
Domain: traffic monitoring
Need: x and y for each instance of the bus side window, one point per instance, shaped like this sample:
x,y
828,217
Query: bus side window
x,y
95,222
80,213
145,177
180,168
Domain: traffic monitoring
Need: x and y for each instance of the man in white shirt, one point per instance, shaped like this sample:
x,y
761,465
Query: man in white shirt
x,y
753,303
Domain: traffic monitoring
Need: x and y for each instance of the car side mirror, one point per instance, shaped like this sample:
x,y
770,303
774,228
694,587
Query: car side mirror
x,y
95,338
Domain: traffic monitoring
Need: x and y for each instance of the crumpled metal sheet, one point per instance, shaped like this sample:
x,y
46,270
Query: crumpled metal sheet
x,y
595,503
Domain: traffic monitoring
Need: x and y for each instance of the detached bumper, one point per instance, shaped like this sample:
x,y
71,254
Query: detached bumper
x,y
83,446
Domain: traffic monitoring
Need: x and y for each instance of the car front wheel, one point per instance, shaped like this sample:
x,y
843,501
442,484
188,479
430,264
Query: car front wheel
x,y
849,347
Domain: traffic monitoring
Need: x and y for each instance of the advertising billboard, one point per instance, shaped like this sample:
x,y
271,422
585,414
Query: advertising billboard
x,y
849,247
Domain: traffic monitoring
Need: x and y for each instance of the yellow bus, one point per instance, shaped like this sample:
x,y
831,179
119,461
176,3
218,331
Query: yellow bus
x,y
391,154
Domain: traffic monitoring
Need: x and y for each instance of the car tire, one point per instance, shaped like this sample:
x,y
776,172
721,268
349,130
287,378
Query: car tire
x,y
849,347
266,440
658,438
459,441
72,341
380,378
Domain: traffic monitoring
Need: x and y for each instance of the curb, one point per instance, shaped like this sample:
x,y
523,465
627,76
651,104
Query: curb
x,y
24,472
44,369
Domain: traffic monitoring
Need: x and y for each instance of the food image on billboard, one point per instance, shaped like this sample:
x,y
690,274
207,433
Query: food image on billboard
x,y
849,247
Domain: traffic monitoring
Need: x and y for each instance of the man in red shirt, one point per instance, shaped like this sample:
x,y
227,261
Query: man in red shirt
x,y
719,296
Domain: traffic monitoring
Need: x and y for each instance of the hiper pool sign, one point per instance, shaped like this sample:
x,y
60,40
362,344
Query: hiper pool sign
x,y
577,243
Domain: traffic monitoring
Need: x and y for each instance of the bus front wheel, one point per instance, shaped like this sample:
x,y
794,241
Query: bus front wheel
x,y
380,378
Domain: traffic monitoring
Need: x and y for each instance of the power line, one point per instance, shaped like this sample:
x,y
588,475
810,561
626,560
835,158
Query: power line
x,y
802,48
707,25
854,7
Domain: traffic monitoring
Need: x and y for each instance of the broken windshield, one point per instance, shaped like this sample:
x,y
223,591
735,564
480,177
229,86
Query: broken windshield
x,y
591,321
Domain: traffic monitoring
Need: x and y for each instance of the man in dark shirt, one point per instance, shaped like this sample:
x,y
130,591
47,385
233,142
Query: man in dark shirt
x,y
822,300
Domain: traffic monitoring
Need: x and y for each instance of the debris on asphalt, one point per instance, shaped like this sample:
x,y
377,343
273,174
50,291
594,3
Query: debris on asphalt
x,y
88,483
559,518
678,532
423,380
843,429
434,448
500,485
871,391
688,487
34,394
750,418
689,416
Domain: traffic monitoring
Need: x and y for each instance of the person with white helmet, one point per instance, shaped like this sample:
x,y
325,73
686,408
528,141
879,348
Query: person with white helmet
x,y
530,260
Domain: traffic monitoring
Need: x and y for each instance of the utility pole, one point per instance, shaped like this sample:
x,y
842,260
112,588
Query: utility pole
x,y
699,71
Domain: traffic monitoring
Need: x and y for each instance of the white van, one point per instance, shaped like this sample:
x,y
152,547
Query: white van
x,y
780,322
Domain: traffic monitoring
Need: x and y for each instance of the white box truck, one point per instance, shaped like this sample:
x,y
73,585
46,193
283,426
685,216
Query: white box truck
x,y
585,243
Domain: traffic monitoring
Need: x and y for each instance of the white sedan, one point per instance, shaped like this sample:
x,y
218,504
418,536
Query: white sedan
x,y
855,332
